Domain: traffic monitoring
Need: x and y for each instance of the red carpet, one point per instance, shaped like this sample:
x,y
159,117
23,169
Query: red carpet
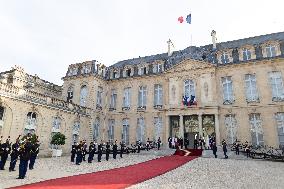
x,y
115,178
192,152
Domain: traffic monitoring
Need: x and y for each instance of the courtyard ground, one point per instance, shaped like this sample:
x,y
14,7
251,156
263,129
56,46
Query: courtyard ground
x,y
203,172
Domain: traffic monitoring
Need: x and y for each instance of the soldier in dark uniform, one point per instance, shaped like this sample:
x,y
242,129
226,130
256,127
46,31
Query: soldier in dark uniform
x,y
114,150
107,150
25,153
73,151
159,143
6,149
92,150
214,149
84,151
148,144
121,149
14,155
79,153
34,153
100,152
237,147
195,144
224,144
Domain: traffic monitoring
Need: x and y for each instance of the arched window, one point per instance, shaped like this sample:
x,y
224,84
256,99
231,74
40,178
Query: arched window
x,y
96,129
31,123
83,95
70,94
76,131
56,124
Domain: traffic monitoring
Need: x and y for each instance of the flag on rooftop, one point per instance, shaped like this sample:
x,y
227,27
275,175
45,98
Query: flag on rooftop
x,y
188,19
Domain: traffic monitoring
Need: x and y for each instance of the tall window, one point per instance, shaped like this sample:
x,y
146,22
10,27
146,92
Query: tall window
x,y
83,95
76,131
96,129
158,127
1,117
251,88
125,131
56,124
231,127
127,97
270,51
70,94
189,88
227,84
73,71
113,98
140,130
31,123
276,83
246,54
225,58
142,96
111,123
99,96
256,129
280,127
158,95
142,70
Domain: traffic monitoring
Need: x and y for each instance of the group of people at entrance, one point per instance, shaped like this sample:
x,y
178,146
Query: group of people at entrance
x,y
175,142
79,151
25,148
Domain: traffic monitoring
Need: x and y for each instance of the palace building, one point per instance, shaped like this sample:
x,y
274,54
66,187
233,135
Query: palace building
x,y
230,90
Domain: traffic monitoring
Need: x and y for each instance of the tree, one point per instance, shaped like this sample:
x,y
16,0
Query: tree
x,y
58,139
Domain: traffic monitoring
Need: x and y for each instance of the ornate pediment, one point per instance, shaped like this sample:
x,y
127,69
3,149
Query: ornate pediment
x,y
189,64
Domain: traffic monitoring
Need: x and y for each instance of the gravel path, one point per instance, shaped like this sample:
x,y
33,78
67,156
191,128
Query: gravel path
x,y
50,168
220,173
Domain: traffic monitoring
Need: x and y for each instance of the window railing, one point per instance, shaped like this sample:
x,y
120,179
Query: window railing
x,y
112,109
228,101
158,106
125,108
99,107
141,108
278,99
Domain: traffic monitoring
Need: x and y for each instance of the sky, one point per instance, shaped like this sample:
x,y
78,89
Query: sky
x,y
45,36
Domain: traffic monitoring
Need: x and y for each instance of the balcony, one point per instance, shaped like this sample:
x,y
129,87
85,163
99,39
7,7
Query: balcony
x,y
158,107
125,108
141,108
111,109
99,107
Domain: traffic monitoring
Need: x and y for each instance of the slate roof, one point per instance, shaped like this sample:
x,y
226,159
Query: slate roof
x,y
205,53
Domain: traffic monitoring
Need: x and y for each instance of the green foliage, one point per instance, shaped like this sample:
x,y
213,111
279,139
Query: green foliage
x,y
58,139
32,136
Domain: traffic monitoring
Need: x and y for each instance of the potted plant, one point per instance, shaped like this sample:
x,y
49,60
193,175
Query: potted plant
x,y
57,140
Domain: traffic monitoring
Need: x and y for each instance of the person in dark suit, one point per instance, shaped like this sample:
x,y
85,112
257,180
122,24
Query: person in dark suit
x,y
6,149
138,146
159,143
237,147
73,151
84,150
170,142
25,154
114,150
224,144
91,152
121,149
214,149
107,150
14,155
186,143
195,144
100,152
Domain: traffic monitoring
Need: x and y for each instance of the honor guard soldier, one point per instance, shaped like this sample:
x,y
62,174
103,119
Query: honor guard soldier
x,y
14,155
34,153
79,153
73,151
121,148
107,150
92,150
159,143
148,144
138,146
6,149
114,150
25,154
84,151
100,152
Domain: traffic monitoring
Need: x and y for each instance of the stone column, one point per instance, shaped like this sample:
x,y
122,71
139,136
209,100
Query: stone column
x,y
217,129
181,127
200,125
167,129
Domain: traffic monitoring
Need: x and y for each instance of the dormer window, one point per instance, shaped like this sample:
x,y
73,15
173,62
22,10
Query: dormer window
x,y
128,72
158,68
85,69
270,51
142,70
115,74
246,54
225,58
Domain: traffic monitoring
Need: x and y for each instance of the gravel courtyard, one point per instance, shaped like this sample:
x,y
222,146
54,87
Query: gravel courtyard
x,y
203,172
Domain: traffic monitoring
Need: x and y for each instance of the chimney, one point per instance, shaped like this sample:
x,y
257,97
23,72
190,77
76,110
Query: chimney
x,y
214,39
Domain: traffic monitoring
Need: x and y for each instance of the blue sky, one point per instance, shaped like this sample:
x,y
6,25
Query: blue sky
x,y
45,36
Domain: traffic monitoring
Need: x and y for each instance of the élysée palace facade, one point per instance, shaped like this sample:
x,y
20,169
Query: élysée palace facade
x,y
237,86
